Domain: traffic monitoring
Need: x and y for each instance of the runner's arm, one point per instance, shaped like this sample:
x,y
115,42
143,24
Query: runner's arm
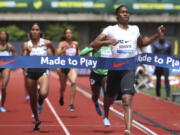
x,y
101,41
12,49
60,49
142,42
26,50
86,51
51,50
78,49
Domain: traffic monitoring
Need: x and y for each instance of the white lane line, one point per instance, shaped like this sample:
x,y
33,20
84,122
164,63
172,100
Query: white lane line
x,y
135,123
57,117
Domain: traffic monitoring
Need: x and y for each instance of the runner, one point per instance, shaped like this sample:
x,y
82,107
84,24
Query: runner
x,y
67,47
98,77
6,49
37,46
124,39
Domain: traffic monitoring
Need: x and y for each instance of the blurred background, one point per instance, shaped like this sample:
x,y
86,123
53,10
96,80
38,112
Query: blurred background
x,y
87,18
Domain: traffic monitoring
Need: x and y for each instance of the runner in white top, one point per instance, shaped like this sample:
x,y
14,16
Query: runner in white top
x,y
124,39
37,46
40,50
6,49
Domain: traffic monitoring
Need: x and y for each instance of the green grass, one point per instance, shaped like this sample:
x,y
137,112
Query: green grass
x,y
151,91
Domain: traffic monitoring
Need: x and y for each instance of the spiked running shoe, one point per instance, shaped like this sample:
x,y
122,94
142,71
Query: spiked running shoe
x,y
2,109
106,122
37,126
71,108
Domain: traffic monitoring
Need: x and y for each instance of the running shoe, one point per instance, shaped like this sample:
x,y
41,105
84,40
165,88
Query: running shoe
x,y
106,122
99,110
127,132
61,101
27,98
2,109
37,126
71,108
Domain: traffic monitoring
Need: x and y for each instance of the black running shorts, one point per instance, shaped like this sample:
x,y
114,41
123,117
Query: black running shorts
x,y
1,69
36,73
65,70
120,82
96,79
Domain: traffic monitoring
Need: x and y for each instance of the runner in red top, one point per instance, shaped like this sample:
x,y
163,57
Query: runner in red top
x,y
67,47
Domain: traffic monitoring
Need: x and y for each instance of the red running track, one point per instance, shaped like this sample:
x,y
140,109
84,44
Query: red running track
x,y
84,121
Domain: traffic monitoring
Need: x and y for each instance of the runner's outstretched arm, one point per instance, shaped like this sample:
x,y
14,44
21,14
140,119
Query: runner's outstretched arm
x,y
142,42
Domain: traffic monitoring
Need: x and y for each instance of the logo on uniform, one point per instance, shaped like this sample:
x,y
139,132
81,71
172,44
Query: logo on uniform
x,y
126,41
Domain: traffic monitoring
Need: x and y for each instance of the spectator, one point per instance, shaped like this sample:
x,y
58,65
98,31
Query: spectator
x,y
163,47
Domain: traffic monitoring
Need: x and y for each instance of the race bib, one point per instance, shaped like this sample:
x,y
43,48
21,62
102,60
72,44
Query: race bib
x,y
106,53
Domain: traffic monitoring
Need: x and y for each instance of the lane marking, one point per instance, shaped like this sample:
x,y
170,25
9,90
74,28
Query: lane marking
x,y
57,117
135,123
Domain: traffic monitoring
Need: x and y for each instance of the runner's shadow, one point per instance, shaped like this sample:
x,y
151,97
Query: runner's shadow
x,y
42,131
32,122
103,131
147,124
172,131
71,117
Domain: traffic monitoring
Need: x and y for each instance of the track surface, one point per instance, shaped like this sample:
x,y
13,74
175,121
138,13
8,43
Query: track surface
x,y
156,115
